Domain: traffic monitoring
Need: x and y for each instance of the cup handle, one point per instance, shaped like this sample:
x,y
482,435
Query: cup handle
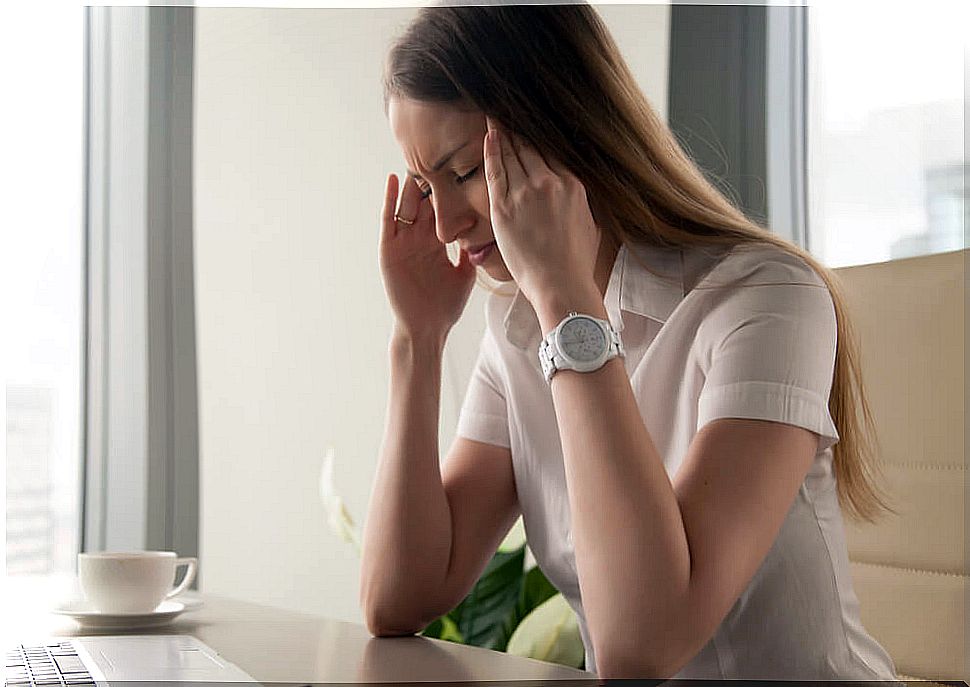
x,y
193,563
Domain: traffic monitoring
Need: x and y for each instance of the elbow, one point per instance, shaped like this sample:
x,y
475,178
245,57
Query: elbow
x,y
382,631
389,615
657,650
615,663
617,669
379,624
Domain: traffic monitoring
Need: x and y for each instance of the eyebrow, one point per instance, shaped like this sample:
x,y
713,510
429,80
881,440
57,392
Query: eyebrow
x,y
442,162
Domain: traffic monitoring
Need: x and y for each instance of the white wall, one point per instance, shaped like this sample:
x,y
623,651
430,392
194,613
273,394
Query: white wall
x,y
291,153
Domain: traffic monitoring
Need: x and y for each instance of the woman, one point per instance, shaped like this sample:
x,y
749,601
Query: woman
x,y
669,398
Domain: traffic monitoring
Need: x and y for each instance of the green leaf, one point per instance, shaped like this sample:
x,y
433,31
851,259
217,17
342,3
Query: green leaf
x,y
550,633
435,629
537,588
482,615
449,631
443,628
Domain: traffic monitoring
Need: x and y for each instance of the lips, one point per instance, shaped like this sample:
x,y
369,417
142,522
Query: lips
x,y
479,255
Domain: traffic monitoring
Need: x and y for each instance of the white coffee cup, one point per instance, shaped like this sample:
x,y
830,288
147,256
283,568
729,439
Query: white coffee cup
x,y
132,582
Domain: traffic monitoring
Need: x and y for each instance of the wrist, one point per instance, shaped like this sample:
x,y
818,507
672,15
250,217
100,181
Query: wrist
x,y
417,343
551,309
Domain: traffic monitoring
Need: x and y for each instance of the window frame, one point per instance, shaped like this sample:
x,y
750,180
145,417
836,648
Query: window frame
x,y
737,103
140,427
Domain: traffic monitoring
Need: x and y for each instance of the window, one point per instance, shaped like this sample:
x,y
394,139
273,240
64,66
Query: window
x,y
885,130
44,283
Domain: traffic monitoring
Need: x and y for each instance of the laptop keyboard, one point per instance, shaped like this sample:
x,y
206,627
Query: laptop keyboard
x,y
45,665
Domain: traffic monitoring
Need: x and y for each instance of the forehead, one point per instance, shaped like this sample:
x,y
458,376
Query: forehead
x,y
427,131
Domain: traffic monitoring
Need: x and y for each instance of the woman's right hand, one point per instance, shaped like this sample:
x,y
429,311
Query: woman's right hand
x,y
426,291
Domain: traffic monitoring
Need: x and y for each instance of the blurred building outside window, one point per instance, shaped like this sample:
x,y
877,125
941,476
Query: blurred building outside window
x,y
885,127
44,285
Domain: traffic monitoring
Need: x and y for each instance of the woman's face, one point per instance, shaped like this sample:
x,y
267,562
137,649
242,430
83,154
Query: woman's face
x,y
443,150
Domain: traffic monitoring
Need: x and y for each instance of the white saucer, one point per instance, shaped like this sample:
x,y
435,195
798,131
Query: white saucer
x,y
87,617
190,600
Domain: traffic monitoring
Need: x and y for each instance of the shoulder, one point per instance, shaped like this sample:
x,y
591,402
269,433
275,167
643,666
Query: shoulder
x,y
764,282
762,264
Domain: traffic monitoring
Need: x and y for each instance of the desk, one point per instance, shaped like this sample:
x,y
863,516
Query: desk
x,y
275,645
281,646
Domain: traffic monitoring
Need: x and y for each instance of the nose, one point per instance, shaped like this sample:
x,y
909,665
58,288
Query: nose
x,y
453,215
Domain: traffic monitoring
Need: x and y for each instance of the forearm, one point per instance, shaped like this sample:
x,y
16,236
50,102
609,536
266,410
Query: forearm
x,y
632,555
407,537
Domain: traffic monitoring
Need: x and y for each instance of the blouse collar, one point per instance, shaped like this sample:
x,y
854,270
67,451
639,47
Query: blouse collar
x,y
632,288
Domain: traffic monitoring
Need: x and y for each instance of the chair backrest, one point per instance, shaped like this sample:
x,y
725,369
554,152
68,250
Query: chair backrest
x,y
910,570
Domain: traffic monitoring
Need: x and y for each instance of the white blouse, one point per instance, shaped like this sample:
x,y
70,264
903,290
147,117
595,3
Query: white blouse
x,y
745,333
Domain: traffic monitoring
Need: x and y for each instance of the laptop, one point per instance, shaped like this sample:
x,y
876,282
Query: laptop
x,y
97,661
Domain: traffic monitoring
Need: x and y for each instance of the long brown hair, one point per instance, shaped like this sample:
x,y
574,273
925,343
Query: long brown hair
x,y
553,75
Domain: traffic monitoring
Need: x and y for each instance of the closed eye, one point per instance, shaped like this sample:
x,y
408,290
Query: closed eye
x,y
461,180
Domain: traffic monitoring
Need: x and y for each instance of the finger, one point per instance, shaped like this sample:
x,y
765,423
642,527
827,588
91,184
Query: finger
x,y
388,223
516,173
553,164
410,201
495,178
534,163
424,215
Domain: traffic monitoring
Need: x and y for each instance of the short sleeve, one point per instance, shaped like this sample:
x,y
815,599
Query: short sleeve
x,y
484,413
772,356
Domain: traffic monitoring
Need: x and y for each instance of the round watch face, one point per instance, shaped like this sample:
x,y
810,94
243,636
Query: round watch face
x,y
582,339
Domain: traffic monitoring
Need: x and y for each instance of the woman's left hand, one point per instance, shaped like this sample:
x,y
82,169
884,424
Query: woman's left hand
x,y
540,214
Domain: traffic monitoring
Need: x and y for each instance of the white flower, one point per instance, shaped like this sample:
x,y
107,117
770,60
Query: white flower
x,y
549,633
337,515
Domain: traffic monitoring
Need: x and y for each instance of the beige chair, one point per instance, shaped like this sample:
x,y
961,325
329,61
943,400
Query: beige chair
x,y
911,570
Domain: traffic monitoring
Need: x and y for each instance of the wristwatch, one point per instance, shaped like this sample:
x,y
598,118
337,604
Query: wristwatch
x,y
580,342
